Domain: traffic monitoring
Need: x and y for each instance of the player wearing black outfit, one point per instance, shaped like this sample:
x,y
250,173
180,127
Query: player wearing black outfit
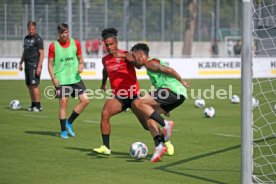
x,y
33,57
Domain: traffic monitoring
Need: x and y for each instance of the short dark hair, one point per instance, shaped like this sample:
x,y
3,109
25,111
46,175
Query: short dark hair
x,y
109,32
141,47
31,23
62,27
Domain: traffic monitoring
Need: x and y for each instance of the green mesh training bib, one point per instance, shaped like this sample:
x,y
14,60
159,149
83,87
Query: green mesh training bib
x,y
66,63
161,80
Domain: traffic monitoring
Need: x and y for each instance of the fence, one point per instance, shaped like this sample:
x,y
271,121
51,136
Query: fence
x,y
145,20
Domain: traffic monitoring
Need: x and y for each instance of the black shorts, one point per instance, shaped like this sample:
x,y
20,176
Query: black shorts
x,y
72,90
30,76
168,100
126,102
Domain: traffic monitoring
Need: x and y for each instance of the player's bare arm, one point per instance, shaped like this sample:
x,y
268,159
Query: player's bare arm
x,y
21,62
156,67
104,79
51,72
80,59
39,65
128,58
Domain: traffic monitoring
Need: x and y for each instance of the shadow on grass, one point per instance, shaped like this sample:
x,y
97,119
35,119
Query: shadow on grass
x,y
47,133
114,154
166,168
21,109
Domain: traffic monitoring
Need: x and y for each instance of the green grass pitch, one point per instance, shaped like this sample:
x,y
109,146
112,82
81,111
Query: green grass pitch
x,y
207,150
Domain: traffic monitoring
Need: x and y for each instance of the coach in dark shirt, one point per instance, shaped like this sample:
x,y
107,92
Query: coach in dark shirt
x,y
33,57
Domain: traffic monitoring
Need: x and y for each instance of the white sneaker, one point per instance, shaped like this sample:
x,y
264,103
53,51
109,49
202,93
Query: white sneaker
x,y
34,109
167,130
158,152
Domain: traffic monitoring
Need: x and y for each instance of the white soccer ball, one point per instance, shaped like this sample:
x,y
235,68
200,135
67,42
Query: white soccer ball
x,y
199,103
274,108
235,99
255,102
209,112
138,150
15,105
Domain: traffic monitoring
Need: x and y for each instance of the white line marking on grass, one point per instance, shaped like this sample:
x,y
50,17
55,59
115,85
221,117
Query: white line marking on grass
x,y
34,116
228,135
91,121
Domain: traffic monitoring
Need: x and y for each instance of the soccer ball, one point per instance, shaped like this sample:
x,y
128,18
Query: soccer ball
x,y
235,99
138,150
15,105
199,102
274,107
209,112
255,102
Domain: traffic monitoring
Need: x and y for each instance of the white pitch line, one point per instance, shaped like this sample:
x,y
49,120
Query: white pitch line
x,y
34,116
227,135
91,121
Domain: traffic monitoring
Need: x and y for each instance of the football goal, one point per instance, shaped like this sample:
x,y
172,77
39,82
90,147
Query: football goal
x,y
259,83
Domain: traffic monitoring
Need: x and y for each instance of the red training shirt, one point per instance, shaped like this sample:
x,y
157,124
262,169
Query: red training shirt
x,y
122,76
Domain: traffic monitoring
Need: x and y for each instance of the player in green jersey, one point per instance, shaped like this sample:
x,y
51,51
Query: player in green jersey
x,y
65,63
170,92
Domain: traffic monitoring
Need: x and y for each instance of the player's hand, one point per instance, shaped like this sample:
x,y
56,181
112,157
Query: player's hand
x,y
55,82
186,84
38,71
80,69
20,67
103,88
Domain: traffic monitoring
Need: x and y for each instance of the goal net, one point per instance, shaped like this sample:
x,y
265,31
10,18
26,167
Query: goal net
x,y
264,91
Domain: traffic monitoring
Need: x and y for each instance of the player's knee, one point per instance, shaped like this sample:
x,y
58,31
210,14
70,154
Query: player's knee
x,y
63,104
105,113
137,104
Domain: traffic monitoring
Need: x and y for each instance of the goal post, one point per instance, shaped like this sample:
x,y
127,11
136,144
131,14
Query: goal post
x,y
246,109
258,128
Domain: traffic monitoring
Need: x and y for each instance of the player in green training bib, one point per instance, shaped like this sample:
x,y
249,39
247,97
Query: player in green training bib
x,y
170,92
65,63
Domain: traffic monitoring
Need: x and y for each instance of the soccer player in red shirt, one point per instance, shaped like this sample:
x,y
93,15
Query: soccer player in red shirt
x,y
123,82
65,63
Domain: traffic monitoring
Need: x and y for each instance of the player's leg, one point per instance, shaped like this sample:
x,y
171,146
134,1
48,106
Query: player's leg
x,y
155,131
139,115
63,102
35,96
151,108
78,90
31,97
111,108
28,81
83,102
160,148
33,82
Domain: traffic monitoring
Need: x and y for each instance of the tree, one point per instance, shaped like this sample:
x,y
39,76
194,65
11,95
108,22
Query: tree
x,y
190,27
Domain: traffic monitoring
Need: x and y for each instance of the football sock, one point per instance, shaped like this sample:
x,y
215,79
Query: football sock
x,y
72,117
162,137
62,124
157,140
37,105
33,104
156,117
106,140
